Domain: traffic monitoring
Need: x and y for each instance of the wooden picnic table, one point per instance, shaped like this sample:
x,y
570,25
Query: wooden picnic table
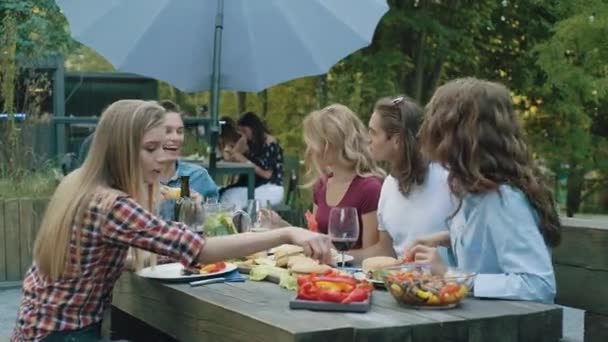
x,y
259,311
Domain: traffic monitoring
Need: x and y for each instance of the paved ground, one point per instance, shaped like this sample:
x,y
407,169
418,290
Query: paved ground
x,y
9,302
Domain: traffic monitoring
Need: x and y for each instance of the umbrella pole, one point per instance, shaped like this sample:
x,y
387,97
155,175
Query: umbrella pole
x,y
215,86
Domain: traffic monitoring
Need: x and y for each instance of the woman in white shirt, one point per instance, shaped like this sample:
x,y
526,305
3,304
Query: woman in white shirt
x,y
415,198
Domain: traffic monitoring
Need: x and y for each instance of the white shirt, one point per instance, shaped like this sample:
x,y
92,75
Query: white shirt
x,y
424,211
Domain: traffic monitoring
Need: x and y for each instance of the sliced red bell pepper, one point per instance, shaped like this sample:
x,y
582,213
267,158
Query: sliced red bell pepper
x,y
357,295
365,285
333,287
308,291
332,296
311,222
347,280
212,268
304,279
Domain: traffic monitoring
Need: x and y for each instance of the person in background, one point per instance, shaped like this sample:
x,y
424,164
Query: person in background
x,y
101,210
229,137
415,199
174,168
506,220
342,168
259,148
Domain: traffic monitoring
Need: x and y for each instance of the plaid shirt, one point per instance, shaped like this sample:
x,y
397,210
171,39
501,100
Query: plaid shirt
x,y
79,297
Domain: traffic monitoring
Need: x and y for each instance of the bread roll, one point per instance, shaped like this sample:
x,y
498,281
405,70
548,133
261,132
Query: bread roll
x,y
262,254
309,266
378,263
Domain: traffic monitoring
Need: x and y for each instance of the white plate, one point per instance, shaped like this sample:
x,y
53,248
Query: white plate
x,y
347,258
173,272
360,275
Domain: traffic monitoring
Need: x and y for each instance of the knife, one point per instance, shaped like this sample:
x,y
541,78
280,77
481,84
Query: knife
x,y
207,281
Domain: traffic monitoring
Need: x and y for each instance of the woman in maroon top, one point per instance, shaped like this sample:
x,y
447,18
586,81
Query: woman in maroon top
x,y
96,214
343,171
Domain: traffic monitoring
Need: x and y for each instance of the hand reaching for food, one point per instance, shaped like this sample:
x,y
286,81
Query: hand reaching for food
x,y
269,218
427,255
317,246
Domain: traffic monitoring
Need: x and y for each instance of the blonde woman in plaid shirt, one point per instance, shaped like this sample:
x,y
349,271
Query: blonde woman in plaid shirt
x,y
95,216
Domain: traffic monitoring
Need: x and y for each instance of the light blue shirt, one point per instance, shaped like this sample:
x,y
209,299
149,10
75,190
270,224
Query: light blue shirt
x,y
200,181
497,236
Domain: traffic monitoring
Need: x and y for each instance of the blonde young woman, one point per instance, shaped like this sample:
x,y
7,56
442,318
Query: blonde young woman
x,y
97,213
343,170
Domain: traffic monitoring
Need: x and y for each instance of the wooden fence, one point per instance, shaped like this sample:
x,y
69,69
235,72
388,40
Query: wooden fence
x,y
581,271
19,223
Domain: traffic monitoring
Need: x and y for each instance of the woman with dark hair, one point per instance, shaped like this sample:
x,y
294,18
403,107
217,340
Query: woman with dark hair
x,y
229,137
506,218
415,198
262,150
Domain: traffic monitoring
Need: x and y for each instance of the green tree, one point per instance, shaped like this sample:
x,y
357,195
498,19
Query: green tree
x,y
41,30
574,62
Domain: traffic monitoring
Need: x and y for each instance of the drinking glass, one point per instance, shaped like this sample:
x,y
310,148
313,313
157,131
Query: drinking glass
x,y
343,228
255,208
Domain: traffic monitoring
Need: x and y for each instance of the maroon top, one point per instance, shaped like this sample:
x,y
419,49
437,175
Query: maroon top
x,y
363,193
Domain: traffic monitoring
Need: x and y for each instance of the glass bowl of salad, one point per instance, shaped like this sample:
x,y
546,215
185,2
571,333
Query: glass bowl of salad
x,y
414,285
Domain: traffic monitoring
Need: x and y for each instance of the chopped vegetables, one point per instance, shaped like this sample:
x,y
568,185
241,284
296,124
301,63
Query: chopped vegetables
x,y
334,287
311,222
423,289
204,269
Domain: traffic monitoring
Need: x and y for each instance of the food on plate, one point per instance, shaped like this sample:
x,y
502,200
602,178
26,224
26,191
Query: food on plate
x,y
204,269
378,263
286,249
262,254
292,260
286,279
333,286
308,265
414,285
284,252
265,261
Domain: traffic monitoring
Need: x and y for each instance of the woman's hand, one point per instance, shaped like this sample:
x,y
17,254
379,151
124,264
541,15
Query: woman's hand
x,y
269,218
198,198
227,153
317,246
433,240
241,145
427,255
238,157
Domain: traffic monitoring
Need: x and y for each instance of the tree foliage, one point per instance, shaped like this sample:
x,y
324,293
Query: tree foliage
x,y
552,54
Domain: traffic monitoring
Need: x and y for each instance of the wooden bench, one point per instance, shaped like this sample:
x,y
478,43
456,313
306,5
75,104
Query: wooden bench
x,y
581,270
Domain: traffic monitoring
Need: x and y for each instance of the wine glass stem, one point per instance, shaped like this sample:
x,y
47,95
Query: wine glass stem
x,y
342,252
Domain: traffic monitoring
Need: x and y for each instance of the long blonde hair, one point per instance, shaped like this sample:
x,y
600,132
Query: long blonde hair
x,y
336,132
112,168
